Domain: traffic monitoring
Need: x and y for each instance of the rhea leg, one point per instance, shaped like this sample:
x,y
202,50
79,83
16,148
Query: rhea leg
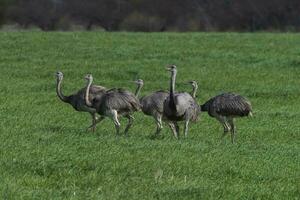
x,y
158,121
224,123
177,128
233,129
173,128
99,120
95,121
113,114
186,127
130,122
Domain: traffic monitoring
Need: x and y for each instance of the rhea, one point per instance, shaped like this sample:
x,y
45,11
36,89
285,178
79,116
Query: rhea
x,y
180,106
153,105
77,100
113,103
194,85
225,107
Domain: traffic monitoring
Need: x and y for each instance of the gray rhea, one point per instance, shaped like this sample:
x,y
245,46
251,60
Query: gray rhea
x,y
153,105
77,100
225,107
113,103
140,84
179,106
194,85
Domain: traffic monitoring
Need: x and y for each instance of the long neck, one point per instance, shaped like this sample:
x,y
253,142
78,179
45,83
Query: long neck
x,y
195,88
138,90
87,100
172,83
59,93
172,89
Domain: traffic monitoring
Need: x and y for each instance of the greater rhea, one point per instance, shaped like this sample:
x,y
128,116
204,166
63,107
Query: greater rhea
x,y
180,106
140,84
153,105
194,85
113,103
77,100
225,107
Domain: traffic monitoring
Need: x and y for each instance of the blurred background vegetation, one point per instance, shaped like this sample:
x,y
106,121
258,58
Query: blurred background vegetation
x,y
151,15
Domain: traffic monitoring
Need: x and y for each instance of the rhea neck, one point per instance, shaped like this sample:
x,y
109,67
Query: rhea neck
x,y
172,83
138,89
59,92
172,88
87,100
194,91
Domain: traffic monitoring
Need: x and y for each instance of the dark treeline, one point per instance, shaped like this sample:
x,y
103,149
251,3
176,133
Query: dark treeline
x,y
153,15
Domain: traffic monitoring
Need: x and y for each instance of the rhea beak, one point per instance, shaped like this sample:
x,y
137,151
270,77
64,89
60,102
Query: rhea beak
x,y
168,68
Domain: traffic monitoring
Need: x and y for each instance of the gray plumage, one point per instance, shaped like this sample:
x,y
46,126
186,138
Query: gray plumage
x,y
180,106
121,100
225,107
153,105
77,100
114,103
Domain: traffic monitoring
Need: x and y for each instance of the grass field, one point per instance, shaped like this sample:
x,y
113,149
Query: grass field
x,y
47,153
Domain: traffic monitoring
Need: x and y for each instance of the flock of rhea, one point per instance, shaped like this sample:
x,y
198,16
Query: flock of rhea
x,y
168,106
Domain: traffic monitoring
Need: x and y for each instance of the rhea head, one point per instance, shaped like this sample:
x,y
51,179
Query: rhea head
x,y
59,76
89,77
172,69
193,83
139,82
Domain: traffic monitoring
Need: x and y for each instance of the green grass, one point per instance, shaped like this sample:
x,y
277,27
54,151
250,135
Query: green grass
x,y
46,152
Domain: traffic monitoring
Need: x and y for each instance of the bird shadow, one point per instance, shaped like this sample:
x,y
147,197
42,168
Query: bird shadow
x,y
53,128
155,137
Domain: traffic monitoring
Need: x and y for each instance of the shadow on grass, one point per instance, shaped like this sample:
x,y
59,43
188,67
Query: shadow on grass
x,y
184,193
155,137
54,129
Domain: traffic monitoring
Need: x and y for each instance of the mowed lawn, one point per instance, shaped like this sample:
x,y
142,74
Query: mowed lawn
x,y
46,151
